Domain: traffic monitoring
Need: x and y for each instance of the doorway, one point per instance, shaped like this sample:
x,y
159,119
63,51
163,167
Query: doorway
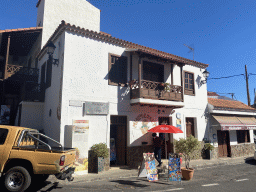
x,y
118,139
166,137
223,143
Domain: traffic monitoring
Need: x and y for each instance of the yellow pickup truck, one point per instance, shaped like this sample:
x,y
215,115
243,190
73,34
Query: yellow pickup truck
x,y
27,155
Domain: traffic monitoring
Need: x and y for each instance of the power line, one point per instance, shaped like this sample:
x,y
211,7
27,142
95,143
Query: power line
x,y
226,77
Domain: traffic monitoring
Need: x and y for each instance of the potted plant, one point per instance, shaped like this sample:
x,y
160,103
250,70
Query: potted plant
x,y
161,86
207,149
187,147
132,82
97,155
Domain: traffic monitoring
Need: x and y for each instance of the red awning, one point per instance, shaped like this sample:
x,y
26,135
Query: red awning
x,y
236,123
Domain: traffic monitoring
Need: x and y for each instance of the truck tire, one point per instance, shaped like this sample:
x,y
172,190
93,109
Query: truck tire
x,y
17,179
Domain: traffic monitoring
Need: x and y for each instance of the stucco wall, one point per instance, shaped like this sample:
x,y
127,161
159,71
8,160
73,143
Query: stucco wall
x,y
76,12
51,123
85,78
31,115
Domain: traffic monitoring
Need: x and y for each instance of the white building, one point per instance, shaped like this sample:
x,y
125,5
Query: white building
x,y
92,90
231,125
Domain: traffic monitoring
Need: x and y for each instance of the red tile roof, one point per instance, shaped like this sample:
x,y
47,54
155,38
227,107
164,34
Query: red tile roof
x,y
126,44
212,94
21,29
229,104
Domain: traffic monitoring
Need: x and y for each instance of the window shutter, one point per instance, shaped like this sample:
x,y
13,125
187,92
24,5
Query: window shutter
x,y
117,70
48,74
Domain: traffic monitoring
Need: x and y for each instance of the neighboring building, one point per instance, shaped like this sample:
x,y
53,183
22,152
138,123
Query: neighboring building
x,y
104,87
231,124
217,96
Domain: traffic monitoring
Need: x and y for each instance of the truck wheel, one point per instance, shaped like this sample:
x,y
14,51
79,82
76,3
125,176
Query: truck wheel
x,y
17,179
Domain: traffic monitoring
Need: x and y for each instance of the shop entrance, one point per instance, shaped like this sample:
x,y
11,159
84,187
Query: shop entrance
x,y
223,143
118,140
167,137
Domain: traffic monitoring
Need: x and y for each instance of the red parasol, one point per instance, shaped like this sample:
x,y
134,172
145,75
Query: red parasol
x,y
165,129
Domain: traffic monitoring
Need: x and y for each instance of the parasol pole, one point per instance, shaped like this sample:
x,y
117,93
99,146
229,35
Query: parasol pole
x,y
165,146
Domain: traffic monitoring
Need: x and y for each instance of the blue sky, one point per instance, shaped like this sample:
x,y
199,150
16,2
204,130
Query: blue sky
x,y
221,32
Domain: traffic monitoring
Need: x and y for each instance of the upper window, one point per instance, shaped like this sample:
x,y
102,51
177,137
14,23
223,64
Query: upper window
x,y
153,72
243,136
117,70
3,135
189,88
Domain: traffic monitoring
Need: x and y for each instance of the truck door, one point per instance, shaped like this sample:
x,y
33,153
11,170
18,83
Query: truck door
x,y
3,136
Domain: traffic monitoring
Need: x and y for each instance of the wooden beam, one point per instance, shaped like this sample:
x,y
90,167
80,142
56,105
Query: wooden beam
x,y
7,57
181,80
139,73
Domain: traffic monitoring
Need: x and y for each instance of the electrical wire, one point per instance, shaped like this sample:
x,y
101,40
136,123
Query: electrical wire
x,y
226,77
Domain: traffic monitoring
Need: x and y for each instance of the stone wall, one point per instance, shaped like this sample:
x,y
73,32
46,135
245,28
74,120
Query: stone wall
x,y
242,149
135,154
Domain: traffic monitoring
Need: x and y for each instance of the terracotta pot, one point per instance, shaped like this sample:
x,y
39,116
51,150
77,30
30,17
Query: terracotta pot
x,y
187,174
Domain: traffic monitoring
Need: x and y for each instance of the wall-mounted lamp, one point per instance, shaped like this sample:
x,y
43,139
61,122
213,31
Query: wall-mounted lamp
x,y
206,75
50,50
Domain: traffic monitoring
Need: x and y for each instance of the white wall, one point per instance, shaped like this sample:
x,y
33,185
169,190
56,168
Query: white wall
x,y
76,12
85,79
194,105
51,123
32,115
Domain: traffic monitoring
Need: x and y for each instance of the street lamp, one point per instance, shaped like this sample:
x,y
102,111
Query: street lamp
x,y
206,75
50,50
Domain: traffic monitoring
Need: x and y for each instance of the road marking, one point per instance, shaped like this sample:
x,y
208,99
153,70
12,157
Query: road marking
x,y
208,185
242,180
175,189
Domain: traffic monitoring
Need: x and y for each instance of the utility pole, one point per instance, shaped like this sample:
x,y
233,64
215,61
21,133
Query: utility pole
x,y
247,86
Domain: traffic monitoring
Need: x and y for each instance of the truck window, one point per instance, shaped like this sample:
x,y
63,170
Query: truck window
x,y
3,135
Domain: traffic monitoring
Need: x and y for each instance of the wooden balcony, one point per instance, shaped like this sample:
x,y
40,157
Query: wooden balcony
x,y
18,72
34,92
156,91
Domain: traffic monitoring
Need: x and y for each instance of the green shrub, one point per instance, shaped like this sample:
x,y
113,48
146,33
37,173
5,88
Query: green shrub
x,y
187,147
208,146
100,150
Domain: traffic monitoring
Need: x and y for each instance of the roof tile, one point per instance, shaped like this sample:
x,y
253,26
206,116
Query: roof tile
x,y
221,103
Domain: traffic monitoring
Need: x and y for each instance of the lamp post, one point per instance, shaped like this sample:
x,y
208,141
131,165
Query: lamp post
x,y
206,75
50,50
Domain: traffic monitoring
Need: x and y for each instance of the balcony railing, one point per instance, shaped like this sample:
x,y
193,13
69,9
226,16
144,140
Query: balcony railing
x,y
156,90
33,93
20,72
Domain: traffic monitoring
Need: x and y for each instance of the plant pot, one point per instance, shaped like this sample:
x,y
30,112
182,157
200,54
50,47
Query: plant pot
x,y
187,174
208,154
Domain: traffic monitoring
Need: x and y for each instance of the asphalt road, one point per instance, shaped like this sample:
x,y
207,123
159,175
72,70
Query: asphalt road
x,y
226,178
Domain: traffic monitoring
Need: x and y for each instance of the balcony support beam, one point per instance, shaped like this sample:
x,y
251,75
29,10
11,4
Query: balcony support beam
x,y
7,57
181,81
139,75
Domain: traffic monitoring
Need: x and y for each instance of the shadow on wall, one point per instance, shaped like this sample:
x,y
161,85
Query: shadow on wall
x,y
207,133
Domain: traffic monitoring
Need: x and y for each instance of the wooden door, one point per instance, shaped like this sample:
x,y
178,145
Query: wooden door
x,y
223,143
190,127
121,145
118,131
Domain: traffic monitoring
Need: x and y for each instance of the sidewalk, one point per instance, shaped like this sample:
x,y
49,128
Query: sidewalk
x,y
126,172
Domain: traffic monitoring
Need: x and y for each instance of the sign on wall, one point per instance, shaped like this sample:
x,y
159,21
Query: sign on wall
x,y
81,136
96,108
178,120
143,122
